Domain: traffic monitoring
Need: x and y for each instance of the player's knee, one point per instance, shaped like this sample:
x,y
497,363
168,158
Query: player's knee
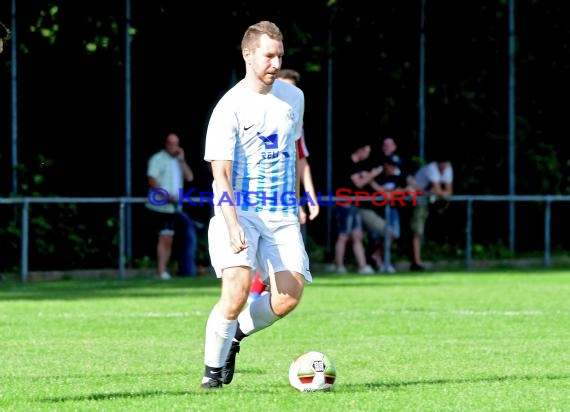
x,y
231,308
283,304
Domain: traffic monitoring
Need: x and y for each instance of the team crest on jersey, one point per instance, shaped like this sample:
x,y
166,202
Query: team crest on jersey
x,y
270,141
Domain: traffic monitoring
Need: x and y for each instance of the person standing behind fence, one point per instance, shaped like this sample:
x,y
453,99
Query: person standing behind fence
x,y
373,218
434,179
167,171
389,181
348,218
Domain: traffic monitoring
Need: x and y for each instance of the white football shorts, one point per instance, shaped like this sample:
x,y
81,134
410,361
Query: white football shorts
x,y
273,246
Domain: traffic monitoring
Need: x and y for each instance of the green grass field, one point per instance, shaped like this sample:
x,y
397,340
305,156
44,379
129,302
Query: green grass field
x,y
432,342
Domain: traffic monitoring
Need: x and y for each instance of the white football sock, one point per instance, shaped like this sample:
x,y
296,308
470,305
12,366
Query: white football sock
x,y
219,334
257,315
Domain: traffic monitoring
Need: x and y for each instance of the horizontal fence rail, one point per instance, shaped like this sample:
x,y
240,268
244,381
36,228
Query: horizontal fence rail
x,y
122,202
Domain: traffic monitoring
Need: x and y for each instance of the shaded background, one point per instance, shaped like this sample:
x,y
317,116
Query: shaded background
x,y
71,99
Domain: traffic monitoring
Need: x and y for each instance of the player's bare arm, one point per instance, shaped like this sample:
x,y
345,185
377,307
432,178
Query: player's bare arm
x,y
309,187
222,171
298,188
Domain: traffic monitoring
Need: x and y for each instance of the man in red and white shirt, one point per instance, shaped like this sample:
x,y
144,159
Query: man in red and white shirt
x,y
293,77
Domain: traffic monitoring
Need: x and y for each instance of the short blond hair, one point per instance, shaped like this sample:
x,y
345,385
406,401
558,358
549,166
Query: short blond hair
x,y
254,32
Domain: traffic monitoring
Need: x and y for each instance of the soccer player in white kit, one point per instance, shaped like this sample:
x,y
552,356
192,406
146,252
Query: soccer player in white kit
x,y
251,145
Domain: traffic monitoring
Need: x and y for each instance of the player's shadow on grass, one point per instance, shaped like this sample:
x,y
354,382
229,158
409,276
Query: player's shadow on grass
x,y
379,280
111,396
112,289
344,387
489,379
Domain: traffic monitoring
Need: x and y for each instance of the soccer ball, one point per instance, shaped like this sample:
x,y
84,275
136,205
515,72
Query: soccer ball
x,y
312,371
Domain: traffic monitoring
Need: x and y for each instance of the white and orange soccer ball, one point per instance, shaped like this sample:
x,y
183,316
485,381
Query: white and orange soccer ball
x,y
312,372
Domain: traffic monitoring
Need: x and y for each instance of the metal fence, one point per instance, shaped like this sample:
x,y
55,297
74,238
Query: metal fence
x,y
122,202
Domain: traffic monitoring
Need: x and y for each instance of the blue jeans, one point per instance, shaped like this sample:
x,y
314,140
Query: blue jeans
x,y
348,219
188,245
393,221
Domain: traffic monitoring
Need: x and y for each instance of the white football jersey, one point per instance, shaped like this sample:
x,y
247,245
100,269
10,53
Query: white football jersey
x,y
258,133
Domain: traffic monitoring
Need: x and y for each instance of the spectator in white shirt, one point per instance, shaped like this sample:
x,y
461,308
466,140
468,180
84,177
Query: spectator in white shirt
x,y
434,179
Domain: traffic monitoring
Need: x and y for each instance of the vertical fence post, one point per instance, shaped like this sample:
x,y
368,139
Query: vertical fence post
x,y
387,238
128,253
422,82
14,103
25,240
122,238
329,137
469,234
547,217
512,126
